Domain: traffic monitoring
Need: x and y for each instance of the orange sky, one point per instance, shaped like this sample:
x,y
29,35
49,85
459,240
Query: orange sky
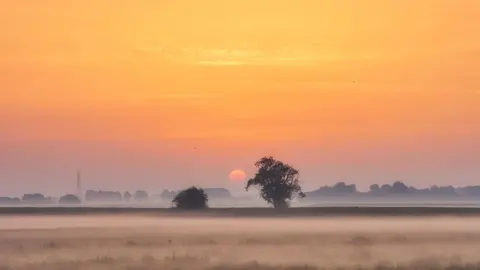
x,y
360,91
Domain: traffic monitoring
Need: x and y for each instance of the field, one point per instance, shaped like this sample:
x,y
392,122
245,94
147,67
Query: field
x,y
143,242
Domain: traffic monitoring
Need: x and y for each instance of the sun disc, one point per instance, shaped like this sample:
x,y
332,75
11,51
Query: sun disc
x,y
237,175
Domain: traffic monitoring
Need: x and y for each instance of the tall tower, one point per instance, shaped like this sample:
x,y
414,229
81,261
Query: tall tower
x,y
79,186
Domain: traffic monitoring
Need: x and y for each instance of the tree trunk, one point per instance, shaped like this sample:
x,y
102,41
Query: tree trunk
x,y
280,204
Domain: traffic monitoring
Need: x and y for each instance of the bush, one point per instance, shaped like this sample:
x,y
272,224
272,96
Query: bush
x,y
191,198
69,199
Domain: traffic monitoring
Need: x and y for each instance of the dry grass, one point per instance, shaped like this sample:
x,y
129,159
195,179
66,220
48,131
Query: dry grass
x,y
184,245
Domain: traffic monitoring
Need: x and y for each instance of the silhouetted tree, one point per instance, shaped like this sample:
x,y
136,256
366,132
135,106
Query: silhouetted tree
x,y
374,189
341,187
278,182
69,199
140,195
8,200
191,198
127,196
399,187
386,189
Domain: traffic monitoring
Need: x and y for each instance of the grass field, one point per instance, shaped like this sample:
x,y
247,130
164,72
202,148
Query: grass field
x,y
143,242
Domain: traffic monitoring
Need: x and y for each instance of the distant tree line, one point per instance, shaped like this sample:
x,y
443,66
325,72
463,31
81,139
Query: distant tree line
x,y
9,201
90,196
397,188
115,196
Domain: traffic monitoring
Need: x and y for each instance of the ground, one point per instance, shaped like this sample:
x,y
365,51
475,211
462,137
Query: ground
x,y
134,242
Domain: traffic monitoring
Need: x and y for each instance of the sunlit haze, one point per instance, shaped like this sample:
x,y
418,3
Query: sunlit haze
x,y
164,94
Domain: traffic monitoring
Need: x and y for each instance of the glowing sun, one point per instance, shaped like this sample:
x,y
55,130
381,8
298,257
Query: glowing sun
x,y
237,175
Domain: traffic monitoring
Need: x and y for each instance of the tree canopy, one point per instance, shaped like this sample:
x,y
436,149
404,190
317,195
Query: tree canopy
x,y
190,199
278,182
140,196
127,196
69,199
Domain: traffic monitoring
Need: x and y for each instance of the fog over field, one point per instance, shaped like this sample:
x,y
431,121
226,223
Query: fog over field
x,y
161,242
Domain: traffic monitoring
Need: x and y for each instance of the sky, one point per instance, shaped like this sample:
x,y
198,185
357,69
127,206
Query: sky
x,y
153,94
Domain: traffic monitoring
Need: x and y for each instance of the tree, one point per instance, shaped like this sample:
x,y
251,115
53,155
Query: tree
x,y
190,199
34,198
140,196
399,187
386,189
341,187
278,182
374,189
69,199
168,194
8,200
103,196
37,198
127,196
